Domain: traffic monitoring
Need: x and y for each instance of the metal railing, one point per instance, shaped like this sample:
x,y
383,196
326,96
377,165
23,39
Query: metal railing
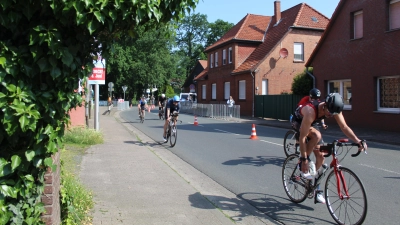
x,y
217,111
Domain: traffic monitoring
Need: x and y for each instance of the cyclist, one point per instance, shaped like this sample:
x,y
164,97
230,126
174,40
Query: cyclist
x,y
161,103
172,106
142,106
309,114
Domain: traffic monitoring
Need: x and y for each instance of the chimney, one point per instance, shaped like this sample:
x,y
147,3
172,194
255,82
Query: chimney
x,y
277,9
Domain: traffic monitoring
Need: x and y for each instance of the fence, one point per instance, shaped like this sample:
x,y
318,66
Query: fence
x,y
275,106
217,111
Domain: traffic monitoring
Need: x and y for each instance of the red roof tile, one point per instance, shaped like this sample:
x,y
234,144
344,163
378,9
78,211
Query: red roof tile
x,y
202,75
297,16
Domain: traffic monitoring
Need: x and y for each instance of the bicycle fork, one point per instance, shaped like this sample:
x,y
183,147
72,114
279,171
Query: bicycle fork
x,y
340,180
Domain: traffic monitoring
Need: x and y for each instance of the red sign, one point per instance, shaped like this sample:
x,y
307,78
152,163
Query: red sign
x,y
99,72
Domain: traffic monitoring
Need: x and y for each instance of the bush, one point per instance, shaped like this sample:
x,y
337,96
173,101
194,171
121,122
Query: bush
x,y
302,83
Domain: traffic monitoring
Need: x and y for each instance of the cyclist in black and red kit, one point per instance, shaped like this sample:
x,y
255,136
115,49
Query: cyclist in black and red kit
x,y
309,114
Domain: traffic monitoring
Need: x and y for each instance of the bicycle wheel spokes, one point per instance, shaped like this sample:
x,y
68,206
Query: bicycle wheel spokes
x,y
289,143
351,209
294,185
174,136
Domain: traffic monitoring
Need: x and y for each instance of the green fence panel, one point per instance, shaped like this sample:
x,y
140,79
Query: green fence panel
x,y
275,106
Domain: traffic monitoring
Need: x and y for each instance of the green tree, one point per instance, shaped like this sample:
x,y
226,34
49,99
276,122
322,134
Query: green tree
x,y
217,30
45,47
302,83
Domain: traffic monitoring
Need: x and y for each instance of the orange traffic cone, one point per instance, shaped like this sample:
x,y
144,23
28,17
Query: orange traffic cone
x,y
195,121
253,133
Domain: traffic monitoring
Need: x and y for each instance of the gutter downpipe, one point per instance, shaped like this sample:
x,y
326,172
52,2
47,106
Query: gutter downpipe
x,y
312,76
254,95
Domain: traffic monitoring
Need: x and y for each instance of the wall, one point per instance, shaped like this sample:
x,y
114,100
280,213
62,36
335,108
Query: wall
x,y
362,61
51,195
77,115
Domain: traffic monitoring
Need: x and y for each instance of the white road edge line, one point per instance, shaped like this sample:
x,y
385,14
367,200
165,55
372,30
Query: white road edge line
x,y
373,167
271,142
226,131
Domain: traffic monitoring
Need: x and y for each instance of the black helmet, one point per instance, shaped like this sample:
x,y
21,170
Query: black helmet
x,y
334,103
315,93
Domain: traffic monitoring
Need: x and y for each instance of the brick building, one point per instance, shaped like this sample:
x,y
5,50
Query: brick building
x,y
260,55
200,66
358,57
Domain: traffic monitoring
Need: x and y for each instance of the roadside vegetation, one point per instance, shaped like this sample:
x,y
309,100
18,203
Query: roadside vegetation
x,y
76,199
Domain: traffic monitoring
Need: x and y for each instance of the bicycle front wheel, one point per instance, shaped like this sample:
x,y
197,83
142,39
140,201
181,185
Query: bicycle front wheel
x,y
295,186
174,136
289,143
351,209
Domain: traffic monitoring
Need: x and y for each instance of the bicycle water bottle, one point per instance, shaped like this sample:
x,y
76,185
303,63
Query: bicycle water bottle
x,y
312,169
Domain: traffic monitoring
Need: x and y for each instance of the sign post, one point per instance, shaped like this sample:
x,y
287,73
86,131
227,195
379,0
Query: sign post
x,y
98,77
124,89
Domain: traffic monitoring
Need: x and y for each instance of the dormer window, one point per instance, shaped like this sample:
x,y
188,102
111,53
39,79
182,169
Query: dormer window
x,y
314,19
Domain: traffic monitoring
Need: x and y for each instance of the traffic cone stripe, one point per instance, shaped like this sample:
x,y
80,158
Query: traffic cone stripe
x,y
253,132
195,121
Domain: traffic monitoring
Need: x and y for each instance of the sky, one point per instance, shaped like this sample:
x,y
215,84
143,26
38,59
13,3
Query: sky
x,y
234,10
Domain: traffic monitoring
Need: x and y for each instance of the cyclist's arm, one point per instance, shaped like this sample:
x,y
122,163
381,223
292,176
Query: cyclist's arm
x,y
346,129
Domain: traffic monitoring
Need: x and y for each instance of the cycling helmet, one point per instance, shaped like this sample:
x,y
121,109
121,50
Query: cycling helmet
x,y
163,95
334,103
176,98
315,93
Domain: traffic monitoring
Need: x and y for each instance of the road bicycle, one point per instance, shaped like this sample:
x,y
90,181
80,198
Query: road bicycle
x,y
141,116
172,130
161,114
345,194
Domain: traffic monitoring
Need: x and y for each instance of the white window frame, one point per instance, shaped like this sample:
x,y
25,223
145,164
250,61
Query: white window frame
x,y
298,51
358,14
230,55
242,89
264,87
386,109
203,91
227,90
347,104
224,57
213,91
211,60
216,59
394,16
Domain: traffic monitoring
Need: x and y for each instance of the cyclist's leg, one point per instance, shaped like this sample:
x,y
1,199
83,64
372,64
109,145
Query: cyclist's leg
x,y
165,122
319,156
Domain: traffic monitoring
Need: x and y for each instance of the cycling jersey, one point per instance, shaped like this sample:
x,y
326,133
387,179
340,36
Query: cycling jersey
x,y
162,101
298,117
172,107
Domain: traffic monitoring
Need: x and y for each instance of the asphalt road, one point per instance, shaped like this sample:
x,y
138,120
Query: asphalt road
x,y
252,169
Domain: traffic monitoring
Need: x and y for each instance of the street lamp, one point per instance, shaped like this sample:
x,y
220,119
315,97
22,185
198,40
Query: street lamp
x,y
124,89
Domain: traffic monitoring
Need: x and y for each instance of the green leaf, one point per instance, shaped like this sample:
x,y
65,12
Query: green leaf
x,y
48,162
15,161
67,57
3,162
8,191
55,72
2,60
43,65
24,122
29,155
99,16
11,88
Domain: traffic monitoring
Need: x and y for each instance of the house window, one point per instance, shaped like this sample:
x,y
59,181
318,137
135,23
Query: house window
x,y
264,87
224,57
394,14
211,60
298,51
389,94
203,91
214,91
216,59
230,55
343,87
227,90
358,25
242,89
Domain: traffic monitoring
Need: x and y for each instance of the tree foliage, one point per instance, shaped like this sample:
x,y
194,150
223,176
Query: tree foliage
x,y
302,83
217,30
45,47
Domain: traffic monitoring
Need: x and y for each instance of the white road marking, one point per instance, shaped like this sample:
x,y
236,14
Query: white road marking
x,y
271,142
226,132
373,167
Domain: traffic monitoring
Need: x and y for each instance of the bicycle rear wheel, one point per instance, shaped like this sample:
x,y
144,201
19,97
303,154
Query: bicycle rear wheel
x,y
350,210
174,135
289,143
295,186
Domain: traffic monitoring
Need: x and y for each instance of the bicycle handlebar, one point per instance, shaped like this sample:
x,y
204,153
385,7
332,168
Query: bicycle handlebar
x,y
329,148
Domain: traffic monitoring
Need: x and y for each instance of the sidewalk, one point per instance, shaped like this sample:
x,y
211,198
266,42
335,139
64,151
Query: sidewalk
x,y
137,181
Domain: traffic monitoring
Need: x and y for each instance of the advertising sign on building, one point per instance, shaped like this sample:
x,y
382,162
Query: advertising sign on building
x,y
99,72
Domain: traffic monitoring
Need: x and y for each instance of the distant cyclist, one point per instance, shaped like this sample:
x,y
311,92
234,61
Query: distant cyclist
x,y
172,106
309,114
161,102
142,106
